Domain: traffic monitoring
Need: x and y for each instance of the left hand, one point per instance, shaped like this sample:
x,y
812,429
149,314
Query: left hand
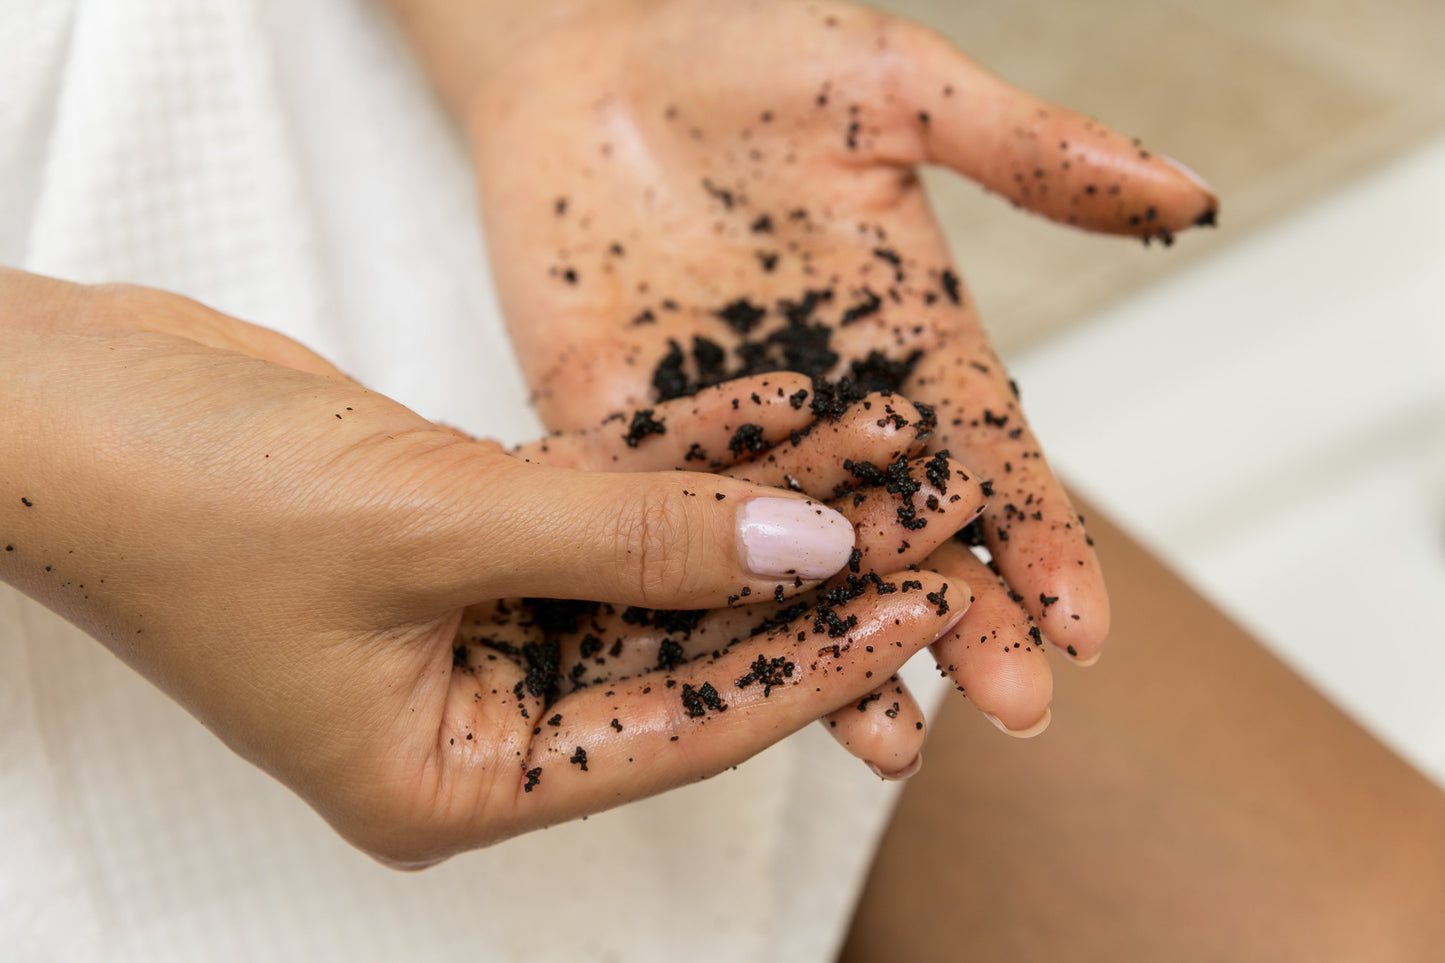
x,y
645,163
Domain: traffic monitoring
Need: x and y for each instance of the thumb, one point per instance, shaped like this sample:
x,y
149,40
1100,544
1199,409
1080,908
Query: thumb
x,y
654,539
1041,156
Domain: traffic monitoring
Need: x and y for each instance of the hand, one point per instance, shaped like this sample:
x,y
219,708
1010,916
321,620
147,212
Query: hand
x,y
290,556
654,172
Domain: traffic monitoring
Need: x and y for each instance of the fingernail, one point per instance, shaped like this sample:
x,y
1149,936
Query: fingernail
x,y
792,536
1028,733
958,615
906,772
1085,663
1189,172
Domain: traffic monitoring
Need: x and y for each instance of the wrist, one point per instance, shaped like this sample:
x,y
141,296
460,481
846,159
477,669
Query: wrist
x,y
466,47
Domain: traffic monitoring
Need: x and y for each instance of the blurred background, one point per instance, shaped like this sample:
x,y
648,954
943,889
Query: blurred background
x,y
1264,405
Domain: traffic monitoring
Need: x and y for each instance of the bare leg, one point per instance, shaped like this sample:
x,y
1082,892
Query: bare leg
x,y
1194,800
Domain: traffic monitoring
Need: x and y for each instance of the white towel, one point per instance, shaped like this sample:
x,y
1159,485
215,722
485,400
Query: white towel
x,y
284,162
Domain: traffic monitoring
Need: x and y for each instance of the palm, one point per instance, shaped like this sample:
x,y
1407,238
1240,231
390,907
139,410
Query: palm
x,y
642,172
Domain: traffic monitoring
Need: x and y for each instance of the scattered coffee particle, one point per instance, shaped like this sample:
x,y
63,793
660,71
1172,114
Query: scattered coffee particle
x,y
936,470
987,488
555,721
748,437
569,275
579,758
763,225
867,699
798,398
643,424
698,701
1071,650
951,286
1046,601
560,206
27,502
869,306
937,598
645,317
720,194
670,655
768,260
534,776
1209,218
742,315
1036,635
616,725
720,496
695,452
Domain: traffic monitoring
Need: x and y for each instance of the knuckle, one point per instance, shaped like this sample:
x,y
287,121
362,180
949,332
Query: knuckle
x,y
655,543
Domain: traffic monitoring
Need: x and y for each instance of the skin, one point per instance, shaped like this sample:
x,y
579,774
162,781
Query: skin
x,y
291,557
644,159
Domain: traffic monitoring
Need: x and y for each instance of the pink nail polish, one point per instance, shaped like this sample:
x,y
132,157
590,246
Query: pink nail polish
x,y
792,536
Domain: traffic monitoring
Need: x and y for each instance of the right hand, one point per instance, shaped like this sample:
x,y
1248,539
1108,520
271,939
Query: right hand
x,y
290,555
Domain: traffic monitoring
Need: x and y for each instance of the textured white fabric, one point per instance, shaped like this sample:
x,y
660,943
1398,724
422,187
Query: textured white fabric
x,y
284,162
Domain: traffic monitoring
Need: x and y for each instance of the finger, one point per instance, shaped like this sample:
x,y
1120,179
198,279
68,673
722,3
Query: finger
x,y
657,732
994,655
935,498
1034,534
1039,155
885,729
659,539
709,430
879,429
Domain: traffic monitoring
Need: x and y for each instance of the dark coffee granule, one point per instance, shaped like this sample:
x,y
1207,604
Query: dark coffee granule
x,y
698,701
459,652
908,518
643,424
864,702
777,593
534,776
1209,218
936,469
670,655
1047,600
950,286
891,257
748,437
1036,635
971,534
721,194
668,378
869,306
993,420
865,471
616,725
710,358
569,275
560,206
899,481
825,618
768,260
1071,650
559,616
892,713
878,372
763,225
798,398
741,315
589,646
911,584
937,598
616,649
645,317
767,672
555,721
695,452
852,138
27,502
579,758
987,488
543,665
855,561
